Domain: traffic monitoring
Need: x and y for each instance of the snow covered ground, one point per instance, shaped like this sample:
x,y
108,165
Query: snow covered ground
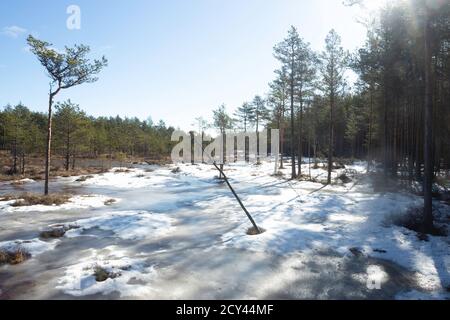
x,y
174,235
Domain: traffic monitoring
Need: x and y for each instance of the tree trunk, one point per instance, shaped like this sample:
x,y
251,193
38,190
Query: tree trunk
x,y
292,130
369,139
300,137
67,150
330,148
73,160
282,141
23,163
49,142
428,129
14,168
257,229
257,139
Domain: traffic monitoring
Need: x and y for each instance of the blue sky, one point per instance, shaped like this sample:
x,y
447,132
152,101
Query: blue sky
x,y
169,59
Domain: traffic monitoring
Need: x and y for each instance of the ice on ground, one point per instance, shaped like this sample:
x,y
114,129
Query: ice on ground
x,y
34,247
192,225
76,202
127,178
128,225
130,277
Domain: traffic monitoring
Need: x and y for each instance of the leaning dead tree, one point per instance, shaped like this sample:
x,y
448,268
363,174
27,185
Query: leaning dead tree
x,y
222,174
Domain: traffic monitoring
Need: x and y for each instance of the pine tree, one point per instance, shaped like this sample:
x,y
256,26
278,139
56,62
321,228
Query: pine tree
x,y
287,52
243,115
65,70
333,64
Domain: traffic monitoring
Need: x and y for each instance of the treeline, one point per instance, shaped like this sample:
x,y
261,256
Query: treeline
x,y
381,117
23,133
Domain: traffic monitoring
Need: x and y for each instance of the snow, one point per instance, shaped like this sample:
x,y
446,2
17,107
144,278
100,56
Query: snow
x,y
128,225
34,247
125,178
131,275
170,230
74,203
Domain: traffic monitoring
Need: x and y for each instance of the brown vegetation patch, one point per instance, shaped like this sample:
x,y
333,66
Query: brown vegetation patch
x,y
110,202
57,231
29,199
101,274
13,257
53,233
84,178
122,171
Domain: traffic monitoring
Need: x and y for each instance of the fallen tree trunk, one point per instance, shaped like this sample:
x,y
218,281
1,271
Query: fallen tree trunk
x,y
258,231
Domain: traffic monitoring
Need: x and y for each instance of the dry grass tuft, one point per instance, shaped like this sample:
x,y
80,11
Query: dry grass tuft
x,y
57,231
13,257
122,171
84,178
101,274
30,199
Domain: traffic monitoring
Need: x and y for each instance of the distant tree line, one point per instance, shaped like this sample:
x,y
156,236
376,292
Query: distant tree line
x,y
77,135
